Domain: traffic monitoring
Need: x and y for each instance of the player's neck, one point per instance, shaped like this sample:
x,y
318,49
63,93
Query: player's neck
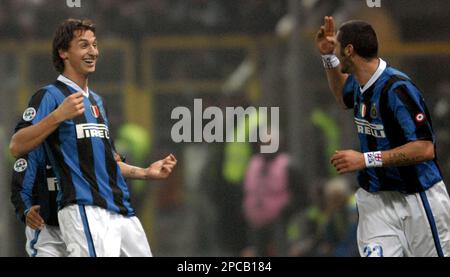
x,y
79,79
365,70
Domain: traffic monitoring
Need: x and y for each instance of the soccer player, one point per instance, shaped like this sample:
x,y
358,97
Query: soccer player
x,y
71,121
403,204
33,194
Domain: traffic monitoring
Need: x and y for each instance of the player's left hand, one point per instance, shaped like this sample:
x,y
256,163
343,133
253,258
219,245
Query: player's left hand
x,y
161,169
33,219
348,161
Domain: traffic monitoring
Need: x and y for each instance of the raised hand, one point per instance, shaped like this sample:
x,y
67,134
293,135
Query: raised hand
x,y
326,37
71,107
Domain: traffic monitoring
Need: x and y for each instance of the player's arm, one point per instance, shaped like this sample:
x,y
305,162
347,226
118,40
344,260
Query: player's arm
x,y
158,170
326,44
336,81
408,154
24,182
20,200
409,109
28,138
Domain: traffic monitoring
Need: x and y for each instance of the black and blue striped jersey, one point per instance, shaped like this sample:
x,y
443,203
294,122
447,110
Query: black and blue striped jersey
x,y
389,113
34,183
81,151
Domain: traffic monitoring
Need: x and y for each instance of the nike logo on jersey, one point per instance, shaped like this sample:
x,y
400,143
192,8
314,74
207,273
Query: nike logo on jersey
x,y
92,130
366,128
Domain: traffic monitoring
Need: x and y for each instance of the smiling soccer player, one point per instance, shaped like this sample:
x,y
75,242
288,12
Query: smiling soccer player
x,y
95,216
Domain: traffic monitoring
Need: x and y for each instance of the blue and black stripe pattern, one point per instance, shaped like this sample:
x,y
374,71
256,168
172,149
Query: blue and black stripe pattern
x,y
33,242
432,223
33,183
81,153
391,113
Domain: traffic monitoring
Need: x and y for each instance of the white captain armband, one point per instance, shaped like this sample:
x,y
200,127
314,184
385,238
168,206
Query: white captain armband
x,y
373,159
330,61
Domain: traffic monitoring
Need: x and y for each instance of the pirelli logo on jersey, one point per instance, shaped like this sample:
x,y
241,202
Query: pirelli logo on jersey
x,y
92,130
366,128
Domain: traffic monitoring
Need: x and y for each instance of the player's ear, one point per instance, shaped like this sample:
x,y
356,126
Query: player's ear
x,y
62,54
349,50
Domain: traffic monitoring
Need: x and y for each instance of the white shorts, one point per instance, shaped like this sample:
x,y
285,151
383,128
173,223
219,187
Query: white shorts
x,y
393,224
91,231
47,242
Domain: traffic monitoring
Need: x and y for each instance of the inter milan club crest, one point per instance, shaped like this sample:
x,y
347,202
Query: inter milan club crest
x,y
373,111
363,110
94,110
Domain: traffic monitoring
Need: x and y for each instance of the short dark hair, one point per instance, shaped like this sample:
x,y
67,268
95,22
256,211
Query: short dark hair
x,y
64,35
361,35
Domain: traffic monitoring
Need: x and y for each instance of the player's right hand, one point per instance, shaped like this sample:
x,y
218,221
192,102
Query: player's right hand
x,y
326,37
161,169
71,107
33,219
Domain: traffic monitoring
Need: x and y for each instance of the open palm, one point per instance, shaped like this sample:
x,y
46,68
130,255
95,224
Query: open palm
x,y
326,37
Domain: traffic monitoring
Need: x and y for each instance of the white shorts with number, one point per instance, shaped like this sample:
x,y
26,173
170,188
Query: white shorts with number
x,y
91,231
393,224
47,242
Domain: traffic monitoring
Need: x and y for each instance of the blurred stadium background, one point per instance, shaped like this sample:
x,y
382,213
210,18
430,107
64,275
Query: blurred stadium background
x,y
159,54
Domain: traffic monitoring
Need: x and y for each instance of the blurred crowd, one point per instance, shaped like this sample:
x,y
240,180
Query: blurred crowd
x,y
227,199
32,19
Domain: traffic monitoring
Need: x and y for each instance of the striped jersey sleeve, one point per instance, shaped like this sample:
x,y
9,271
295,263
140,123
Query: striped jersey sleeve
x,y
25,178
41,104
409,109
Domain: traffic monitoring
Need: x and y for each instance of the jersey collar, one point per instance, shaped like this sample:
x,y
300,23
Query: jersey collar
x,y
73,85
375,76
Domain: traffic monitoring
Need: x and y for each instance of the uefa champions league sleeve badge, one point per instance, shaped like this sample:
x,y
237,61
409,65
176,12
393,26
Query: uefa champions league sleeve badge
x,y
29,114
20,165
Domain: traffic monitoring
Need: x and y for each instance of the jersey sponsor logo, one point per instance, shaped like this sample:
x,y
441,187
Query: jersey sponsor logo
x,y
29,114
420,117
20,165
94,110
92,130
366,128
373,250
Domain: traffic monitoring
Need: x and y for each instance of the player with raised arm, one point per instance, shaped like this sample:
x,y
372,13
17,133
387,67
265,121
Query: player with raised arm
x,y
403,204
95,216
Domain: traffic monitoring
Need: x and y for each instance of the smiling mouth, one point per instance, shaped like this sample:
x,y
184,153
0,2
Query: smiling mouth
x,y
89,61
